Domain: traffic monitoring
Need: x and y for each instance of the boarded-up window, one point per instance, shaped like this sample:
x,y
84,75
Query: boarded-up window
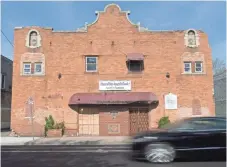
x,y
28,110
196,107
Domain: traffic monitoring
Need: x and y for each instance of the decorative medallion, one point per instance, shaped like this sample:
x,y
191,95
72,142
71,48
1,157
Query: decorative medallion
x,y
114,114
113,128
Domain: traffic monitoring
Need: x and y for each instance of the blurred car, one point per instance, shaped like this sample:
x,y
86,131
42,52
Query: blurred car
x,y
191,137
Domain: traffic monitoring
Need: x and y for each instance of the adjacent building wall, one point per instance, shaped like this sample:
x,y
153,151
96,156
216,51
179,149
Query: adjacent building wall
x,y
220,93
6,91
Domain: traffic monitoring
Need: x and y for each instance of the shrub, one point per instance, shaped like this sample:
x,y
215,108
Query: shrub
x,y
60,125
163,121
50,124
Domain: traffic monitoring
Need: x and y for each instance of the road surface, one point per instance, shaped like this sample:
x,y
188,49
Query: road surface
x,y
81,156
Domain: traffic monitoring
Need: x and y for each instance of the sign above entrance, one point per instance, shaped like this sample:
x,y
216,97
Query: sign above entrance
x,y
114,85
170,101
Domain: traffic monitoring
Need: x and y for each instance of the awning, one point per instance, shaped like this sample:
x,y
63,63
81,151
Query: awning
x,y
113,98
135,56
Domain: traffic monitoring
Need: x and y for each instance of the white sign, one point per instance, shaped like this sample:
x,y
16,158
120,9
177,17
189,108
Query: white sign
x,y
170,101
114,85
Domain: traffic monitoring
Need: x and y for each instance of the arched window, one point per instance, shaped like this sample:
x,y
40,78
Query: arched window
x,y
196,107
191,38
33,39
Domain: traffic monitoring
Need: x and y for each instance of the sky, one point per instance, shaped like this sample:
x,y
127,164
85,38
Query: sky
x,y
208,16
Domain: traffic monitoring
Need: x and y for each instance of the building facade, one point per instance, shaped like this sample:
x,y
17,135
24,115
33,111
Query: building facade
x,y
220,93
6,91
110,77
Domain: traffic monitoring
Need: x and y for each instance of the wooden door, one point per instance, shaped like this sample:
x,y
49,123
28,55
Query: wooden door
x,y
89,122
138,120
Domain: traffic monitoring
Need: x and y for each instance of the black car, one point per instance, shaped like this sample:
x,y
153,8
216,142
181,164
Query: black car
x,y
191,137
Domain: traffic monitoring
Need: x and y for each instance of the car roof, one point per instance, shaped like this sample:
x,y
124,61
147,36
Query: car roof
x,y
206,118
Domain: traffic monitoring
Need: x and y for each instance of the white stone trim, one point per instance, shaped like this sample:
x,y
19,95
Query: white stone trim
x,y
28,39
32,58
29,117
186,38
85,28
201,73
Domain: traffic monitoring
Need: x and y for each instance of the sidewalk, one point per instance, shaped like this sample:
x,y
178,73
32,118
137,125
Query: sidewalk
x,y
99,140
16,140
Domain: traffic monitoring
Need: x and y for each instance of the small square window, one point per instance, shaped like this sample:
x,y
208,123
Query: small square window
x,y
27,68
91,64
135,65
198,67
38,68
187,67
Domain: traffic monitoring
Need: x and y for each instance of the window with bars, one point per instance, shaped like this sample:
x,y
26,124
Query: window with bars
x,y
135,66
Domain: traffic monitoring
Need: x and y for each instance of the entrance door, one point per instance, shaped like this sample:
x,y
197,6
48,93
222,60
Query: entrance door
x,y
89,122
138,120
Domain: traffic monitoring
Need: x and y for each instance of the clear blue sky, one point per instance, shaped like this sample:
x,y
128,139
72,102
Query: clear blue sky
x,y
207,16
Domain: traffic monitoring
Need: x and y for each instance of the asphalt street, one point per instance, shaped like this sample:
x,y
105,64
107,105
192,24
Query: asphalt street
x,y
82,156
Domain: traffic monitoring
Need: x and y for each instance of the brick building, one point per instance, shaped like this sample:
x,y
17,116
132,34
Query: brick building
x,y
110,77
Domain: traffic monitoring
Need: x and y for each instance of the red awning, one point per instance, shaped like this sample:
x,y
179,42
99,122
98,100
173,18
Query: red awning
x,y
112,98
135,56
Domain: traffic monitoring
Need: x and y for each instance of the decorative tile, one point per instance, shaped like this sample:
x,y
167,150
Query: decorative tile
x,y
113,128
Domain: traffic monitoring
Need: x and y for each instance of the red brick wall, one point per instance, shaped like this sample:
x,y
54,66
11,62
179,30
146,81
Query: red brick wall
x,y
121,119
65,53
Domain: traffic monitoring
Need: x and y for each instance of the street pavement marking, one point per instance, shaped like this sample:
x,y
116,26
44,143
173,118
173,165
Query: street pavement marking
x,y
64,148
91,151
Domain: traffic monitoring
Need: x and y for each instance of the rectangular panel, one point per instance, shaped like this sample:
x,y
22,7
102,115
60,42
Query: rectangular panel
x,y
96,130
89,122
113,128
114,85
84,130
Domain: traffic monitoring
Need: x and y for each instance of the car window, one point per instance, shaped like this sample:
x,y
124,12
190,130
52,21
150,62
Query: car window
x,y
192,125
197,124
205,124
184,125
217,124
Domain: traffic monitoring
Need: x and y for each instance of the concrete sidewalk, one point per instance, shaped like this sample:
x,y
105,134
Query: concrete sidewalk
x,y
16,140
99,140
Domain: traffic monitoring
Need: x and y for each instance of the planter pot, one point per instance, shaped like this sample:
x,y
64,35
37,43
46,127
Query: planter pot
x,y
54,133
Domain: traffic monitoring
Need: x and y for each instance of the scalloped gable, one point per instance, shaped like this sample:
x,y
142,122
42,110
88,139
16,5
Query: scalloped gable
x,y
108,9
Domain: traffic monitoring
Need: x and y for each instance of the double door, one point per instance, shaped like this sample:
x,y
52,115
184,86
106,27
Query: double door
x,y
139,121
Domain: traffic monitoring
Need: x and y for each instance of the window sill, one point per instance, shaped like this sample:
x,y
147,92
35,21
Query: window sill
x,y
195,73
132,72
32,75
91,73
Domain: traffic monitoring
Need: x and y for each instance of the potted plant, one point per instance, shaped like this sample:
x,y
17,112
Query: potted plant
x,y
163,121
53,129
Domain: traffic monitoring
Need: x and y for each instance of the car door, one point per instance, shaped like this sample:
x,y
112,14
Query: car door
x,y
217,136
211,137
190,136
